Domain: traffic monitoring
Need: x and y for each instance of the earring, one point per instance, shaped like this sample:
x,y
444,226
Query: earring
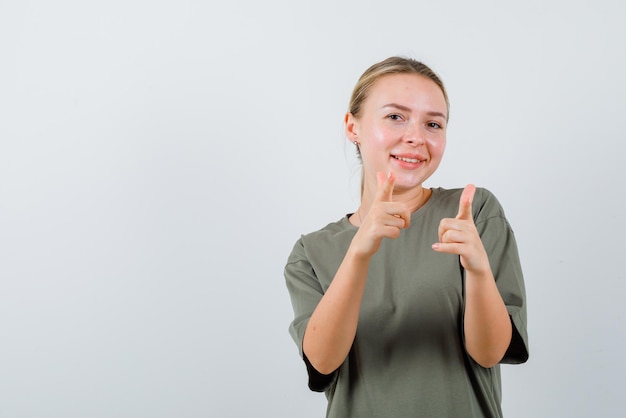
x,y
357,143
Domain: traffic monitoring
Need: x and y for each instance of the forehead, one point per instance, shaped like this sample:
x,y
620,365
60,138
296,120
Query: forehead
x,y
411,90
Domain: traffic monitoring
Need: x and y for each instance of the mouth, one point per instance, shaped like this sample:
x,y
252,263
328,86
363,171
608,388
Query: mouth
x,y
407,159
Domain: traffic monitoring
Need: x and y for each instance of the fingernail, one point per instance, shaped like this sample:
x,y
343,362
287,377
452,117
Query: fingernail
x,y
388,175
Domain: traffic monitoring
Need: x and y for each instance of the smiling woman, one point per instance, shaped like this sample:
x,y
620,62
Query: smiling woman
x,y
407,106
407,307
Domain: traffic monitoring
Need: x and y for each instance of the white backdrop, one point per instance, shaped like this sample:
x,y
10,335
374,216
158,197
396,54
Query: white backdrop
x,y
158,159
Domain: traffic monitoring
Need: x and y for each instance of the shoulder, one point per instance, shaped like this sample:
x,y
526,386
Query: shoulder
x,y
484,205
332,228
482,194
324,238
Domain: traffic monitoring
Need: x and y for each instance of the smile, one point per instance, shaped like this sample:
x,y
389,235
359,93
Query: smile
x,y
408,160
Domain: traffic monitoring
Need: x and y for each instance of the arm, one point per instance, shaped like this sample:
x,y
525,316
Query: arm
x,y
487,325
332,327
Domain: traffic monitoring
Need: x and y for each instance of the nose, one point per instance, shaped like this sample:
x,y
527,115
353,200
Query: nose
x,y
414,135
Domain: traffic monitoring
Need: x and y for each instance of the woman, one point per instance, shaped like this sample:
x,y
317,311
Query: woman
x,y
406,307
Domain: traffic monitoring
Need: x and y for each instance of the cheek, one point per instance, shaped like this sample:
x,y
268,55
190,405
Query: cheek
x,y
379,139
380,133
437,146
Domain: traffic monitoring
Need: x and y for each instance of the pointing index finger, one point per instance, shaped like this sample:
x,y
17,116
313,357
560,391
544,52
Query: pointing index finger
x,y
386,182
465,203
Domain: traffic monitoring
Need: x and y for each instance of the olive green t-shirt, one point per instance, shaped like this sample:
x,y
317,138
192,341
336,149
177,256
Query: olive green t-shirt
x,y
408,358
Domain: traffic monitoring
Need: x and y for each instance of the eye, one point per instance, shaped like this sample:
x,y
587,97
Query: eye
x,y
434,125
394,116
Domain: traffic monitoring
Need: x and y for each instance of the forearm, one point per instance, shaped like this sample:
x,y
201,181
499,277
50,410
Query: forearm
x,y
332,326
487,324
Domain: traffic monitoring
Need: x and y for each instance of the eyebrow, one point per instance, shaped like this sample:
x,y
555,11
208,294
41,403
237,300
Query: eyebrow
x,y
408,109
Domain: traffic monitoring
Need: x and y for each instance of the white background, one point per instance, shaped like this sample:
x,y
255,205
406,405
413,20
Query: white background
x,y
158,159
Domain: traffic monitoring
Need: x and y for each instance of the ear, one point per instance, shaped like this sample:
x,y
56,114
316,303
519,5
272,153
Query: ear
x,y
352,127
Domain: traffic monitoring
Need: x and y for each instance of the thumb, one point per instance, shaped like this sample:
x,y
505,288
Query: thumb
x,y
465,204
384,193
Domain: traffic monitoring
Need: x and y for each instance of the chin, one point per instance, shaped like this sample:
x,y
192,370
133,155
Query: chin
x,y
407,185
409,181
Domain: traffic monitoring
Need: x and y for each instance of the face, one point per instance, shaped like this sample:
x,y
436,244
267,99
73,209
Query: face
x,y
401,128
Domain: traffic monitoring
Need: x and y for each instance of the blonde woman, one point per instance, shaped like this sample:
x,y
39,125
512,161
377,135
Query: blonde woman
x,y
406,307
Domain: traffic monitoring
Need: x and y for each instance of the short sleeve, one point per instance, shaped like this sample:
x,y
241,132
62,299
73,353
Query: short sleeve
x,y
499,242
305,292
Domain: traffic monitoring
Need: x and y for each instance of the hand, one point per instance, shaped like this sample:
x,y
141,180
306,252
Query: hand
x,y
459,236
385,218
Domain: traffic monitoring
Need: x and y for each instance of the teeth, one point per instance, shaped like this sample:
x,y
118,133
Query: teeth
x,y
408,160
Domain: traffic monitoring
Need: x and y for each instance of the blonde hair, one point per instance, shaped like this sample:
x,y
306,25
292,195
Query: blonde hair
x,y
391,65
